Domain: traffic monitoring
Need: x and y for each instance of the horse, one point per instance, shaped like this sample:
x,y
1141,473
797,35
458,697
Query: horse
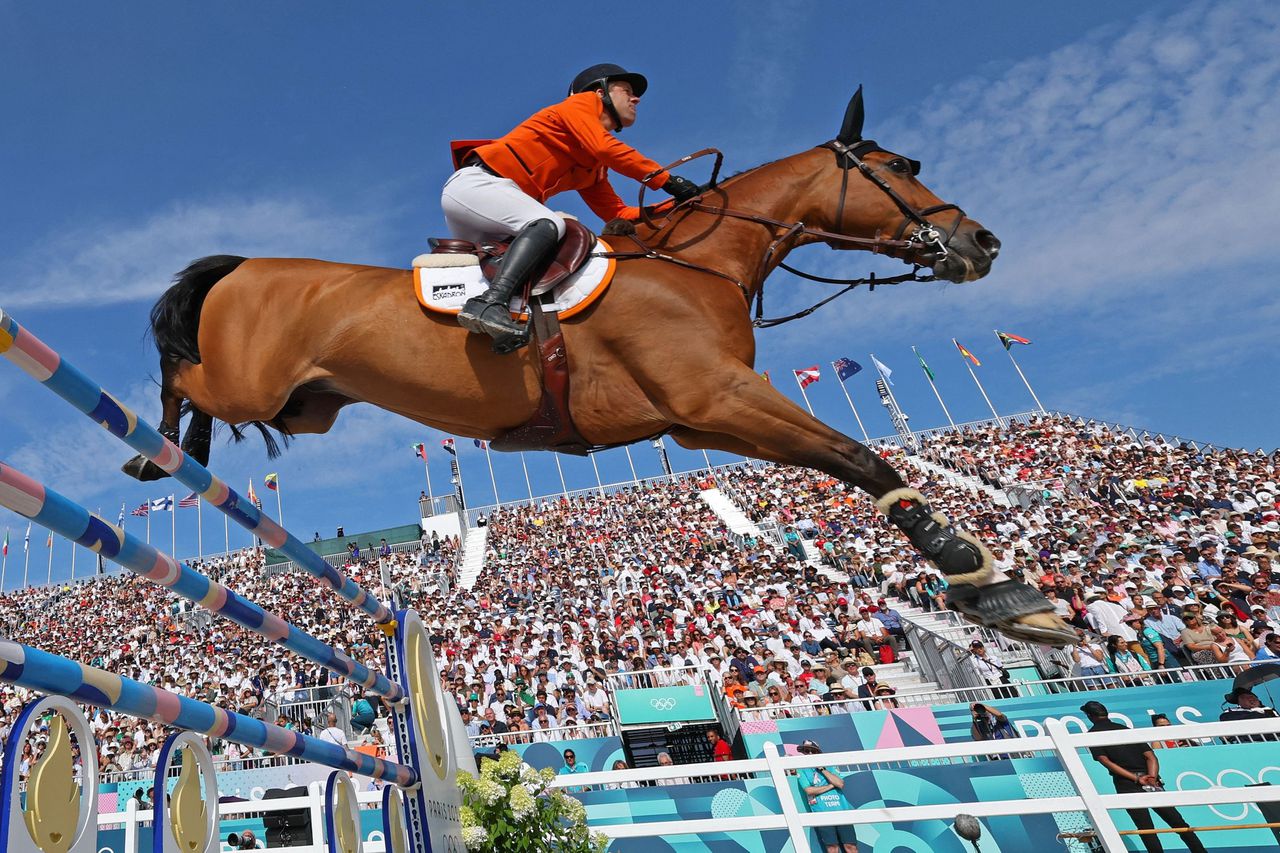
x,y
669,347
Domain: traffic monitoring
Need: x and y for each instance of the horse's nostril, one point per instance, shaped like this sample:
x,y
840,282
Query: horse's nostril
x,y
988,241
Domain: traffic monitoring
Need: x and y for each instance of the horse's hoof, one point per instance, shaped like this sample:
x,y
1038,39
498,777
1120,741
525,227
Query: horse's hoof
x,y
1014,609
143,469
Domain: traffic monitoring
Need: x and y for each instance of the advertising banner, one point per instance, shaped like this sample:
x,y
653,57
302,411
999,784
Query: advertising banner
x,y
664,705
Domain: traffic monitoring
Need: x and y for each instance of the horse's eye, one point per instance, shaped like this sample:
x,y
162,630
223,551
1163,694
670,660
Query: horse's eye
x,y
900,165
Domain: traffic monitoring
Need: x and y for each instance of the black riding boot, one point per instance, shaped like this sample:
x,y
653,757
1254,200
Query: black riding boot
x,y
531,249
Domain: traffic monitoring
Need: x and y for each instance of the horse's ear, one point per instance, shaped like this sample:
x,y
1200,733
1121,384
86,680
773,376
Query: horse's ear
x,y
851,129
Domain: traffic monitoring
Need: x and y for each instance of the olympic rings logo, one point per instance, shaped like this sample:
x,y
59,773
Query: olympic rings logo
x,y
1220,783
663,704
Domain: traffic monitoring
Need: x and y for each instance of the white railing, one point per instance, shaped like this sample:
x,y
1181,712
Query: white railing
x,y
556,735
1057,741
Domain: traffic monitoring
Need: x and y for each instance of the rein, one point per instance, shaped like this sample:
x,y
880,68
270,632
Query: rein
x,y
926,236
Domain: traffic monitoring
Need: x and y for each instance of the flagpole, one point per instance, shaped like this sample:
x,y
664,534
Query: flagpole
x,y
73,556
888,384
599,484
426,469
49,577
800,385
4,561
148,521
849,400
969,366
26,555
173,524
935,389
279,504
1009,351
492,480
199,528
528,484
627,450
563,488
226,536
710,470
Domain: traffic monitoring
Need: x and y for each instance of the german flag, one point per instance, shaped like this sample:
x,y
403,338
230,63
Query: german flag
x,y
1009,340
964,352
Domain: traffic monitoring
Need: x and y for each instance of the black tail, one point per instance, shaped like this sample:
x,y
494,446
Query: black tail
x,y
175,318
175,327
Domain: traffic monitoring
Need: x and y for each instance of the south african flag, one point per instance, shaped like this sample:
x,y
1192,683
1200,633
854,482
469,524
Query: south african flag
x,y
1009,340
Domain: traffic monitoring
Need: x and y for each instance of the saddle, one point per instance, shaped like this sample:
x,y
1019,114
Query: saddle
x,y
574,251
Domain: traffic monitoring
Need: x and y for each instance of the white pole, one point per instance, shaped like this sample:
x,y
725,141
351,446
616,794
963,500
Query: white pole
x,y
226,536
148,521
199,527
492,480
426,469
4,563
26,555
888,386
1023,377
73,560
279,504
173,525
710,470
849,399
969,366
49,578
462,489
563,487
627,450
935,389
528,484
596,467
800,385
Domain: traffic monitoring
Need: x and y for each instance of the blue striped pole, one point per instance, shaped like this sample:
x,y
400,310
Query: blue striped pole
x,y
46,507
61,377
50,674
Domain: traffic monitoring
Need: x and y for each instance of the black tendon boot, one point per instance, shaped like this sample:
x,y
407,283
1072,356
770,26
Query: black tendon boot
x,y
141,468
1009,606
488,313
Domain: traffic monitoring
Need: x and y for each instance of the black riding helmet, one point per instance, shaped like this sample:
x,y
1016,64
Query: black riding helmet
x,y
599,77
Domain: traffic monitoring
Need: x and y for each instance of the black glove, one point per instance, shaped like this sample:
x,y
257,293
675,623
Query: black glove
x,y
682,189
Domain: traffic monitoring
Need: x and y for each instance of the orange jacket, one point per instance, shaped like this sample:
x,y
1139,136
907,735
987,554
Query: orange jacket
x,y
564,147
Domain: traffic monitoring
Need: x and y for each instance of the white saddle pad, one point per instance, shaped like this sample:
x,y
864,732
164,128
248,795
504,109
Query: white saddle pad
x,y
445,289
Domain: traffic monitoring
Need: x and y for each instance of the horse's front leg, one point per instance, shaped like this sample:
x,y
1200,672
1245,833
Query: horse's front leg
x,y
740,412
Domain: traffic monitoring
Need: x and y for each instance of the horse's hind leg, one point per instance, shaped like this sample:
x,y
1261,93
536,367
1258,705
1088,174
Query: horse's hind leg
x,y
743,408
139,467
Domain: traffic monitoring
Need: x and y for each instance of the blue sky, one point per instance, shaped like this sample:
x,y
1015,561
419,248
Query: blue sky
x,y
1124,153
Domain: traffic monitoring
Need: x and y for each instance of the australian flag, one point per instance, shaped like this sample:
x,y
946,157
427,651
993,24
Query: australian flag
x,y
845,367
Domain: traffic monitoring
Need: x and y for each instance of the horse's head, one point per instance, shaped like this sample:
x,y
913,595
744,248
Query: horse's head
x,y
881,197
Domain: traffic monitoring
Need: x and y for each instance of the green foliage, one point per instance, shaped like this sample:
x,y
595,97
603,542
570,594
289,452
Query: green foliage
x,y
510,809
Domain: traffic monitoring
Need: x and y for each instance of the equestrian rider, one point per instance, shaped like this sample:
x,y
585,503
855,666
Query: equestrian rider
x,y
503,184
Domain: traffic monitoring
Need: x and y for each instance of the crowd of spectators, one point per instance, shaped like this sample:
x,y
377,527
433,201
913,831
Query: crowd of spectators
x,y
1137,542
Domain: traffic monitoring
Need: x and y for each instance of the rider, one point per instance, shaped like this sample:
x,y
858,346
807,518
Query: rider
x,y
501,185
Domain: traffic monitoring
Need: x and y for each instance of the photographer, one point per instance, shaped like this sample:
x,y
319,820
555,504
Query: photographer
x,y
990,724
244,841
1134,768
825,793
990,669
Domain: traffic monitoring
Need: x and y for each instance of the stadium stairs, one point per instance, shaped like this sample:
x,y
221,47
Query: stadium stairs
x,y
474,545
961,479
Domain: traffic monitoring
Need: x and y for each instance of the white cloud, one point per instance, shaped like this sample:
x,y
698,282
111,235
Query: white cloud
x,y
125,262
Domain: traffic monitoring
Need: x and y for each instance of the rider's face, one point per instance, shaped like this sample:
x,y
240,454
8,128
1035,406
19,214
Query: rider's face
x,y
624,101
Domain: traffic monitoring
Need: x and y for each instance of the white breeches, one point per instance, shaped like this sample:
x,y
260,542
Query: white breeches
x,y
479,206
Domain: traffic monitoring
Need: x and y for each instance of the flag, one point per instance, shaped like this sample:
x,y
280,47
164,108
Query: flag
x,y
884,369
846,367
765,376
447,444
927,371
162,504
26,540
1009,340
964,352
480,444
420,450
189,501
808,375
253,496
4,552
48,543
272,482
120,520
142,510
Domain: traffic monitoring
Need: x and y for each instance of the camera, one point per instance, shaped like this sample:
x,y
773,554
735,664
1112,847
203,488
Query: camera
x,y
245,841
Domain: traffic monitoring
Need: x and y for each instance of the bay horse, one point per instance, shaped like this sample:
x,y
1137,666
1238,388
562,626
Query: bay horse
x,y
669,347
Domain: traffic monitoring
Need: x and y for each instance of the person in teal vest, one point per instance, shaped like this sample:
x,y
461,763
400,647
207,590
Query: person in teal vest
x,y
824,792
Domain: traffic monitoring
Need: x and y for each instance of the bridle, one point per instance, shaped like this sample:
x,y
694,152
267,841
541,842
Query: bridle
x,y
926,237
